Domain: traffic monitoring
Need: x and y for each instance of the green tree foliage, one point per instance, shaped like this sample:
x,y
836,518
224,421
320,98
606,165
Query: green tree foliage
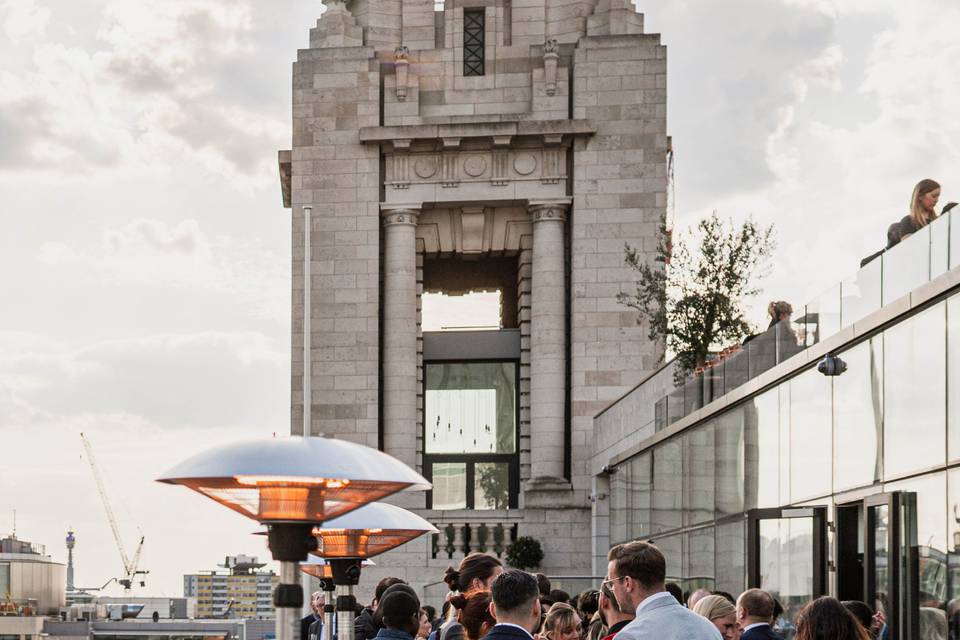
x,y
525,553
693,301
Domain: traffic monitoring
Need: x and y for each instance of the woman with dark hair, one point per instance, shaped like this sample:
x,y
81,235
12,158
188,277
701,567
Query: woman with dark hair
x,y
827,619
476,571
473,613
865,616
923,203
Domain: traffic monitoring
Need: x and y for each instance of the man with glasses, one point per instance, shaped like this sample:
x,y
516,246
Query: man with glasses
x,y
636,573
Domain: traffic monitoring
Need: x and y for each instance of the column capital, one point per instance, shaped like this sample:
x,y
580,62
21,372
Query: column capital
x,y
549,210
401,214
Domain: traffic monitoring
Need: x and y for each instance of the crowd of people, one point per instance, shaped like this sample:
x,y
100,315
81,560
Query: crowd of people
x,y
634,602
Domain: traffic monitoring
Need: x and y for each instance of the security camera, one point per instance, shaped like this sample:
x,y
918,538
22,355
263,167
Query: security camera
x,y
831,365
607,470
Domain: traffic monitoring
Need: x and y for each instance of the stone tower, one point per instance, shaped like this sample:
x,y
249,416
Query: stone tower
x,y
475,145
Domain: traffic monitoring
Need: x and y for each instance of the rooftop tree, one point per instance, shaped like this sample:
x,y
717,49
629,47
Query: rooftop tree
x,y
692,295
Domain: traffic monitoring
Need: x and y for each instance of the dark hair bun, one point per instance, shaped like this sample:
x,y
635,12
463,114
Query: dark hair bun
x,y
452,577
458,601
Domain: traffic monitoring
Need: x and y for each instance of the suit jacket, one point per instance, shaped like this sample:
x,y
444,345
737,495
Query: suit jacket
x,y
665,619
305,623
764,632
506,632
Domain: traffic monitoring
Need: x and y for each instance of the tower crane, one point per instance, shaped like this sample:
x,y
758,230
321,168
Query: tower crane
x,y
130,568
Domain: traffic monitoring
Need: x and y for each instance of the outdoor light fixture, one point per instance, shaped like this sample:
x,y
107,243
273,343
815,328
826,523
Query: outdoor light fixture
x,y
323,571
363,533
292,485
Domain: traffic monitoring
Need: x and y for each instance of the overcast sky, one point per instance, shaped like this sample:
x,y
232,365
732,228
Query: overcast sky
x,y
144,296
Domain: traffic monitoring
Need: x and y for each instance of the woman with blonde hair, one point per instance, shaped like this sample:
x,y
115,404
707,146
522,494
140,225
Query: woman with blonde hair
x,y
923,205
561,623
721,613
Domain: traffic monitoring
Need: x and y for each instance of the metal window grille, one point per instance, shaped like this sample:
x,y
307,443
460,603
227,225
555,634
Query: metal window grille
x,y
473,35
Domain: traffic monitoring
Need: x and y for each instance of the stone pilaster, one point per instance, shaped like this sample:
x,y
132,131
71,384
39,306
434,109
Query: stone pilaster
x,y
399,409
548,339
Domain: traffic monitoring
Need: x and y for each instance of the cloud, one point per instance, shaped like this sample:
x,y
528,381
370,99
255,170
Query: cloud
x,y
162,381
154,254
23,18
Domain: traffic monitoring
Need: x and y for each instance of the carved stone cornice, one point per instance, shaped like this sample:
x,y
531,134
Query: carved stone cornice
x,y
399,216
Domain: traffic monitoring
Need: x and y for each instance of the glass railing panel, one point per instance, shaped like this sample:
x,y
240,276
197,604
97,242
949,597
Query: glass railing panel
x,y
675,405
939,246
762,351
717,384
809,323
736,369
954,238
906,266
789,340
861,294
692,395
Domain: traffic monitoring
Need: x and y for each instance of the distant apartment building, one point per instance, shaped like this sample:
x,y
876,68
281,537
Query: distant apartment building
x,y
242,591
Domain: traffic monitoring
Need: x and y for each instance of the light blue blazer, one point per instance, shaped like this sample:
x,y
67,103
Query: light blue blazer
x,y
665,619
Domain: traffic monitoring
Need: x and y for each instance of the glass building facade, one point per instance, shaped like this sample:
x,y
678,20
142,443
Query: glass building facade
x,y
846,485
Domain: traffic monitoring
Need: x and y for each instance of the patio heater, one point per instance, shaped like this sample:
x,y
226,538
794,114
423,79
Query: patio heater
x,y
292,485
322,570
354,537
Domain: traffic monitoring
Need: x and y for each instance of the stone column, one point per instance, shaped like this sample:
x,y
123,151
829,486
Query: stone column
x,y
399,408
548,342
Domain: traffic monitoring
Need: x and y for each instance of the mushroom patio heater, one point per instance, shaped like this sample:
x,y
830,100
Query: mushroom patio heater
x,y
323,571
352,538
292,485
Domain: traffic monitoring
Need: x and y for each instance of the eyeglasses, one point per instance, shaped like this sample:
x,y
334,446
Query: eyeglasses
x,y
611,581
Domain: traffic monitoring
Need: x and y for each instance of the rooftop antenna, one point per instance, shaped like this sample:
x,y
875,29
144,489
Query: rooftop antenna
x,y
14,524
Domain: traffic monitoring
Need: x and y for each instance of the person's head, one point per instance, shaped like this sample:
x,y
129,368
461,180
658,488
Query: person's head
x,y
399,609
826,618
933,623
861,611
587,603
425,626
780,310
696,596
753,606
382,586
317,602
720,612
473,612
635,570
543,584
476,571
559,595
923,201
674,590
610,609
561,623
430,611
516,599
726,595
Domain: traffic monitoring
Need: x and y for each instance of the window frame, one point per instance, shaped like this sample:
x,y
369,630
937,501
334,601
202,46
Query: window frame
x,y
472,459
474,65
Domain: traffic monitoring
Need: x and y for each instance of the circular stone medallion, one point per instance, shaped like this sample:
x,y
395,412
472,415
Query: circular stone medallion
x,y
425,167
474,166
525,164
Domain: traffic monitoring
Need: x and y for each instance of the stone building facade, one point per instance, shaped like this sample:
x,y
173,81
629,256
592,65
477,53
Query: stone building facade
x,y
475,145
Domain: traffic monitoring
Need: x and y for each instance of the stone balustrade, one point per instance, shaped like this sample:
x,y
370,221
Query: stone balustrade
x,y
464,531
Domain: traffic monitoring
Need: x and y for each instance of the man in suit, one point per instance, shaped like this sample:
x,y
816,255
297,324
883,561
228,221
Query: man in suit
x,y
636,573
754,615
317,601
515,605
613,616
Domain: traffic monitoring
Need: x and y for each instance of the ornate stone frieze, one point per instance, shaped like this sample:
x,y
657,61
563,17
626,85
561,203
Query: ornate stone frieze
x,y
549,211
399,215
499,166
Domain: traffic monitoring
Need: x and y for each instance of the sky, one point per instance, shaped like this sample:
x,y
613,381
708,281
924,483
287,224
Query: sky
x,y
145,252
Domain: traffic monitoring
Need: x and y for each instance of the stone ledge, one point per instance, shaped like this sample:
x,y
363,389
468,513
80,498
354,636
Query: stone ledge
x,y
477,130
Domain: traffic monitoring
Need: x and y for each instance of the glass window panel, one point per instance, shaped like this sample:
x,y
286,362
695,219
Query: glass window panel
x,y
729,462
761,428
906,266
915,399
667,496
672,549
858,416
810,436
470,407
698,474
639,481
939,246
861,294
953,370
449,485
619,497
931,535
881,556
698,569
953,545
731,557
954,239
491,485
784,393
786,566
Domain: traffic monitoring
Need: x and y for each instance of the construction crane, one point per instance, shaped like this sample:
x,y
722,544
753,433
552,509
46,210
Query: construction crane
x,y
130,568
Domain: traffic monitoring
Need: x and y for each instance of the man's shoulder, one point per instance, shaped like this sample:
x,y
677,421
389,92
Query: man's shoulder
x,y
507,631
657,623
761,633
